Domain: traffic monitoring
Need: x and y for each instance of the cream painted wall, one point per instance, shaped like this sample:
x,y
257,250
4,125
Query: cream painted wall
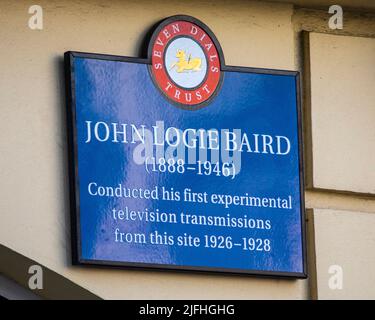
x,y
33,165
351,4
351,248
342,72
342,76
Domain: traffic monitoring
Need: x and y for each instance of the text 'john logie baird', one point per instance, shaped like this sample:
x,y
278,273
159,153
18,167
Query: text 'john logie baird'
x,y
226,145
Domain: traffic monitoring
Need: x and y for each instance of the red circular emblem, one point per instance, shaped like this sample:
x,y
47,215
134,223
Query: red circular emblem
x,y
186,62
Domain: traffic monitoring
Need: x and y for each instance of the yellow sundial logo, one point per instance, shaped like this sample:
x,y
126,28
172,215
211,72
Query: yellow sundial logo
x,y
183,64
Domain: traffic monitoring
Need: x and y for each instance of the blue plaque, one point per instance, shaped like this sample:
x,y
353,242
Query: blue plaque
x,y
178,161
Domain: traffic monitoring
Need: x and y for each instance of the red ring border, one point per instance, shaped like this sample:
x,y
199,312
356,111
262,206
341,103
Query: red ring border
x,y
160,77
